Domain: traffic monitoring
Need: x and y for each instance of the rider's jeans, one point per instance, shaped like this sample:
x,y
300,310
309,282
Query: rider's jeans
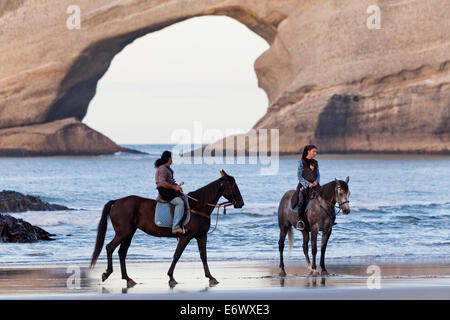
x,y
178,212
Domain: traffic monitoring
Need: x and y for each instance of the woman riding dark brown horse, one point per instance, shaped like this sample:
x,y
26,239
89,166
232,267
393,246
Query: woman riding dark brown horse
x,y
169,190
131,213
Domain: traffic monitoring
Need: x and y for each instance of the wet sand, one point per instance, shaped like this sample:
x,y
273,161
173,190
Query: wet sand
x,y
238,280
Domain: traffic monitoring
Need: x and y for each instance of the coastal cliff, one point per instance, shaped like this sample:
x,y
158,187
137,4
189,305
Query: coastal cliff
x,y
329,78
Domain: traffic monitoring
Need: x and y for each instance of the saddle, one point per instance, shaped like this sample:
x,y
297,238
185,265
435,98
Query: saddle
x,y
164,212
171,206
295,197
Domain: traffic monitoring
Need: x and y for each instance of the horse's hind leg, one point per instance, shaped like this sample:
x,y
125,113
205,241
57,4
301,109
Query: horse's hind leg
x,y
283,232
122,256
110,247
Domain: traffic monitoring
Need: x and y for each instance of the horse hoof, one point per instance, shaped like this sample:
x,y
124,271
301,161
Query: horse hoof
x,y
313,272
104,276
172,283
213,282
324,273
130,283
282,273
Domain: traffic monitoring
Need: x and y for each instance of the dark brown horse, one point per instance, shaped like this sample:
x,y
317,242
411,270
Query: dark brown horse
x,y
131,213
320,216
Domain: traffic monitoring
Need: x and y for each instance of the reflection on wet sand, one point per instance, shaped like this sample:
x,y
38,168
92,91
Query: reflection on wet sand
x,y
237,277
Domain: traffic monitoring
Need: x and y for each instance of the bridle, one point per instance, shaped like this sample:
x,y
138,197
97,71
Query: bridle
x,y
331,204
218,206
340,204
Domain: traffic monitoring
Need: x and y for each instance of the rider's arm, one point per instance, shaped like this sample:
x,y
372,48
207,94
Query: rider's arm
x,y
318,174
303,181
167,185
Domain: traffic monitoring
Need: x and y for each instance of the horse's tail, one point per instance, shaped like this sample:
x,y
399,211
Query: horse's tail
x,y
101,232
291,240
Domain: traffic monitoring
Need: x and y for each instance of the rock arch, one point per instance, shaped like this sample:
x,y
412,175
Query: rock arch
x,y
44,99
79,85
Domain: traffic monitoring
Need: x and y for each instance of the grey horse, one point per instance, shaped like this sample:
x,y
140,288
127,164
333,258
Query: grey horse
x,y
320,216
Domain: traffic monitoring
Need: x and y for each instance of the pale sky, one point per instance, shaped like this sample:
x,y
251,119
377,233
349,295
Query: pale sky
x,y
196,71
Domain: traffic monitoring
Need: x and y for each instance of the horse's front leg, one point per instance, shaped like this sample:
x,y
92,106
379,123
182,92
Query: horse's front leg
x,y
201,241
182,243
314,233
325,236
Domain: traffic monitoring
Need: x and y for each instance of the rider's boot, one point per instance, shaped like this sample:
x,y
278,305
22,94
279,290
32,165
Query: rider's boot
x,y
301,211
300,224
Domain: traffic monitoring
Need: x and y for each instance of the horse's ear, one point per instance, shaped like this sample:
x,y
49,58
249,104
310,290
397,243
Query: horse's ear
x,y
347,179
337,181
223,173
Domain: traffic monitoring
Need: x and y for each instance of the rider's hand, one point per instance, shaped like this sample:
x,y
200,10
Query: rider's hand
x,y
178,188
311,185
315,183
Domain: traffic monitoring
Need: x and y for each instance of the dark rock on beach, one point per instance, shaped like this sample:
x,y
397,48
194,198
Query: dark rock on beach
x,y
17,230
12,201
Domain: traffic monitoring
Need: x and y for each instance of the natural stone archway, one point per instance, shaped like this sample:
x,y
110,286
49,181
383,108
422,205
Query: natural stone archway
x,y
79,85
323,64
58,79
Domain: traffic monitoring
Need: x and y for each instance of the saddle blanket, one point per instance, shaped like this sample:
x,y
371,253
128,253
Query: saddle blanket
x,y
163,217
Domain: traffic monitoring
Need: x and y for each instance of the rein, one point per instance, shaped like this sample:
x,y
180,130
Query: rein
x,y
218,206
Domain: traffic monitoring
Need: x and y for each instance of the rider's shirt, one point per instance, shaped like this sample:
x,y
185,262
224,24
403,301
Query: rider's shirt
x,y
308,172
164,174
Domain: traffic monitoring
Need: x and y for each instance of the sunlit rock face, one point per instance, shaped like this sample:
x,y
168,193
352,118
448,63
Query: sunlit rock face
x,y
330,76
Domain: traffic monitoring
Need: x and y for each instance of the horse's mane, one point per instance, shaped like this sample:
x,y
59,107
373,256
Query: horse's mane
x,y
202,193
327,190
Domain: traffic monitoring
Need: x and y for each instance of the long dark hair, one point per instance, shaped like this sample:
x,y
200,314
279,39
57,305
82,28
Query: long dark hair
x,y
166,155
306,150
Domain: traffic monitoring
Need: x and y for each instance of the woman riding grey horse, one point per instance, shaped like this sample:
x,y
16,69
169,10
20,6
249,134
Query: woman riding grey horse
x,y
319,216
309,178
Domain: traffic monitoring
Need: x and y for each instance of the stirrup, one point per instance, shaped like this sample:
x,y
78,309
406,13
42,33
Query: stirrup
x,y
300,225
180,230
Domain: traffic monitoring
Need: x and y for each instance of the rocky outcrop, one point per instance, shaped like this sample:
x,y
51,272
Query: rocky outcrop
x,y
393,114
12,201
329,78
18,230
60,137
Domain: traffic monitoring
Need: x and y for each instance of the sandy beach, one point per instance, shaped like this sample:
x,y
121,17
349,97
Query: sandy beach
x,y
238,280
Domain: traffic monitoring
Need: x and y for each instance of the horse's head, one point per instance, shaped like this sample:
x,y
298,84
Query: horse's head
x,y
342,193
231,190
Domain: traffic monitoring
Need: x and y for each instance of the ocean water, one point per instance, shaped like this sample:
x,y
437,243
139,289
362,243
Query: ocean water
x,y
400,207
